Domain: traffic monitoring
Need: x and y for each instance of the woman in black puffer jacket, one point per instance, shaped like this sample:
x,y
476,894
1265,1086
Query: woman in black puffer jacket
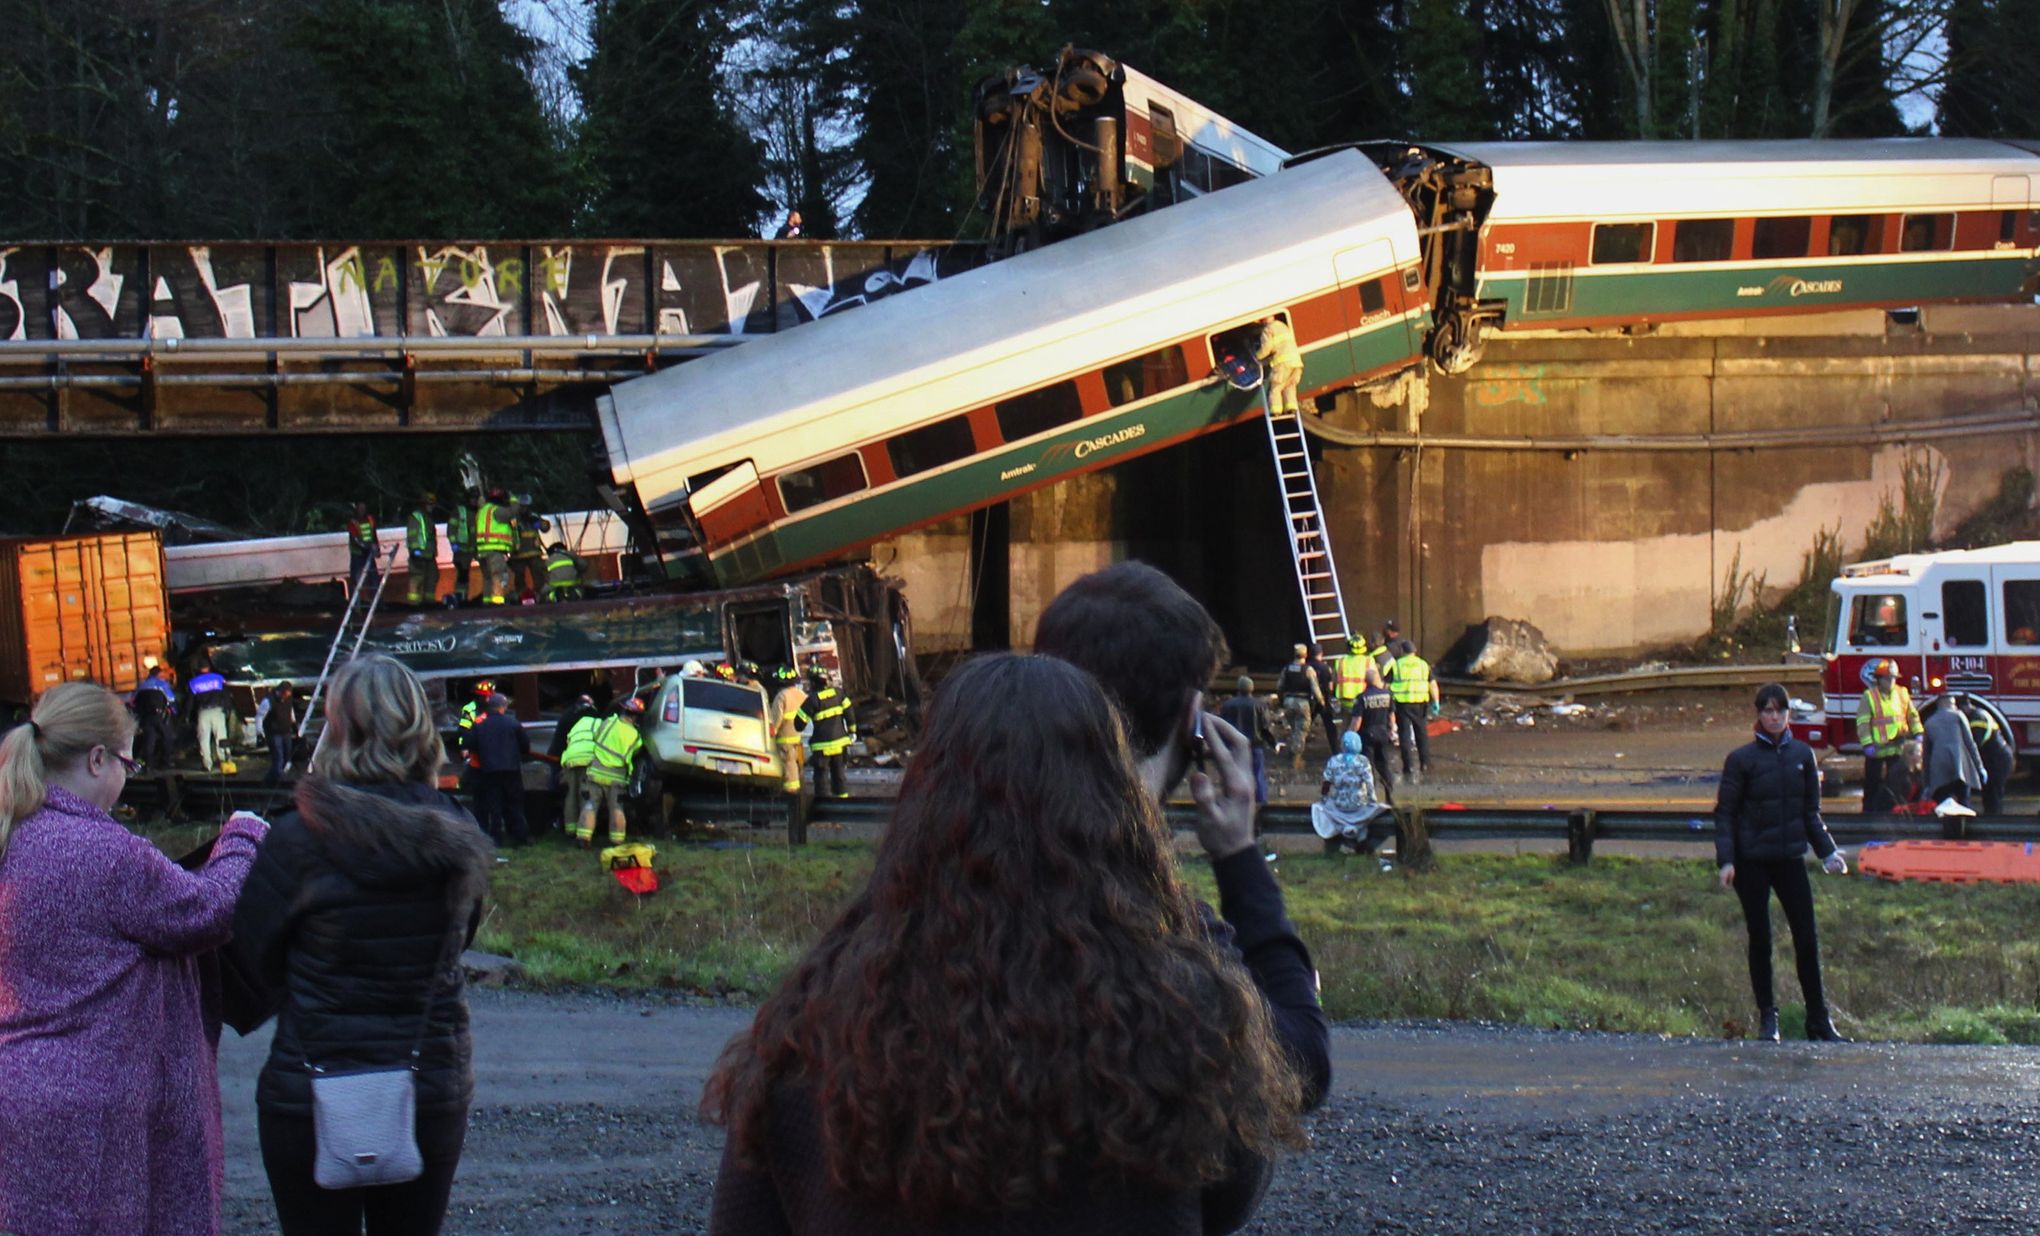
x,y
355,915
1765,818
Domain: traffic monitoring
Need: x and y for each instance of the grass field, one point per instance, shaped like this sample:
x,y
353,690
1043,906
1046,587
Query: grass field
x,y
1624,944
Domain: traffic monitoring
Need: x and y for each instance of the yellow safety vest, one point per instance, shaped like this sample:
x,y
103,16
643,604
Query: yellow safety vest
x,y
470,713
493,532
1982,726
561,571
1351,672
616,742
1412,683
1883,722
580,750
422,537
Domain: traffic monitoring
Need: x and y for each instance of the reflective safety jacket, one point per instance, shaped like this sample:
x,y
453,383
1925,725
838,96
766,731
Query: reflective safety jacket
x,y
361,535
1412,683
494,533
470,713
1982,726
1350,674
460,528
580,750
786,705
420,537
562,572
1884,722
827,711
1278,346
616,744
528,543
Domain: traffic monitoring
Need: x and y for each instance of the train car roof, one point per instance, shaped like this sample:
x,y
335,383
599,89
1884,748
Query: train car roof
x,y
1617,180
1011,326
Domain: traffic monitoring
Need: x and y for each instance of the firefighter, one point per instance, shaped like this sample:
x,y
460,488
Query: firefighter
x,y
787,702
832,729
421,542
562,574
361,549
575,757
472,711
1349,673
495,537
527,555
1416,699
1991,743
1384,660
1886,722
460,539
616,744
1285,364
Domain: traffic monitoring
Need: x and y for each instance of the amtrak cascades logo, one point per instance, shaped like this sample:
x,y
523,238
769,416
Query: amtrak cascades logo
x,y
1790,285
1091,446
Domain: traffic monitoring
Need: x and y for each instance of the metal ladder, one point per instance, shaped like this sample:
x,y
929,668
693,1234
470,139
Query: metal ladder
x,y
1310,549
350,624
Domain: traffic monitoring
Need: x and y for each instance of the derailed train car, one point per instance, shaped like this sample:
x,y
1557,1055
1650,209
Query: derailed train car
x,y
801,448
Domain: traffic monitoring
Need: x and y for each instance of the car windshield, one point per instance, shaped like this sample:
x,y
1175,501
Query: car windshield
x,y
721,697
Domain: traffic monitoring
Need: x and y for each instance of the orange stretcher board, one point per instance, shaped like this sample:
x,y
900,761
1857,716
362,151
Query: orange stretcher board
x,y
1952,862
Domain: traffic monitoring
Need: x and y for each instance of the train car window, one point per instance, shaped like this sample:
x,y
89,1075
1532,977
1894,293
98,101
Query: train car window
x,y
1225,175
1035,412
1703,240
1623,242
1781,238
2022,612
1965,621
1851,235
931,446
1927,233
825,482
1372,299
1878,620
2008,226
1158,371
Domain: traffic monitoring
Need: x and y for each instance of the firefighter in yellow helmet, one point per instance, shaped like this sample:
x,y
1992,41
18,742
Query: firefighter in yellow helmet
x,y
833,729
607,778
575,757
495,537
562,574
1886,722
787,701
1349,673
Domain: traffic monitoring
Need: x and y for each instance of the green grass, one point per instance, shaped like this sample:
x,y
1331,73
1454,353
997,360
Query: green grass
x,y
1624,944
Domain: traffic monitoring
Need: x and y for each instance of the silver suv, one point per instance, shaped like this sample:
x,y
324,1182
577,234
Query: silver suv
x,y
707,729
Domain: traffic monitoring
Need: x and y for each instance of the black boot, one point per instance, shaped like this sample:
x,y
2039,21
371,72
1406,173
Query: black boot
x,y
1767,1029
1821,1029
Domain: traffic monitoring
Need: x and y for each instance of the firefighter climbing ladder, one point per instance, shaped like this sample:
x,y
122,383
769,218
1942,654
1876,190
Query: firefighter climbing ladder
x,y
1310,550
354,621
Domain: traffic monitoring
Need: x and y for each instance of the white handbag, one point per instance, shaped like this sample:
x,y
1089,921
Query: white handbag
x,y
365,1127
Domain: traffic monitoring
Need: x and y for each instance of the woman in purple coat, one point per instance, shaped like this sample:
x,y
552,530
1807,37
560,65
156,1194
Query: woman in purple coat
x,y
109,1093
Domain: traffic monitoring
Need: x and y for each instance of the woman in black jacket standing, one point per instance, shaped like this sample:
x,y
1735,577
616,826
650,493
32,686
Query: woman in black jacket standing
x,y
355,915
1766,816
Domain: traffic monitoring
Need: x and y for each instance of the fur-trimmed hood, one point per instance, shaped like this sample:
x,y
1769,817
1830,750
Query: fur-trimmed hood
x,y
396,836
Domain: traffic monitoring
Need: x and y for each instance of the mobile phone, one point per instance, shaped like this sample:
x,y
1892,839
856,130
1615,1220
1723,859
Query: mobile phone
x,y
1200,747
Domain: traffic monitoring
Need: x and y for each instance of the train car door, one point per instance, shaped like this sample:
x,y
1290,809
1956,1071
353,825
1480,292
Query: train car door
x,y
1955,629
2016,590
729,506
1372,297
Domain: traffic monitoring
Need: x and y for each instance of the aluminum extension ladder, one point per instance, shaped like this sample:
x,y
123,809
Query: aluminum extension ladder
x,y
1310,549
354,621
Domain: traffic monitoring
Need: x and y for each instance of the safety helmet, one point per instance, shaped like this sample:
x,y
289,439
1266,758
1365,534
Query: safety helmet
x,y
523,499
486,687
1885,668
558,547
1355,642
498,494
723,669
633,706
784,673
427,497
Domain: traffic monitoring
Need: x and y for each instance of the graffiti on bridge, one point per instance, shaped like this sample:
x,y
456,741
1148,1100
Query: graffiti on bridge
x,y
455,290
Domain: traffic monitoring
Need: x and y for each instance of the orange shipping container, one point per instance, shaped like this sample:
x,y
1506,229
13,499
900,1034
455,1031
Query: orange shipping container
x,y
80,607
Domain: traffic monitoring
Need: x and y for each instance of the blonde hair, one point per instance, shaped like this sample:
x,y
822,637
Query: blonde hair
x,y
69,720
379,726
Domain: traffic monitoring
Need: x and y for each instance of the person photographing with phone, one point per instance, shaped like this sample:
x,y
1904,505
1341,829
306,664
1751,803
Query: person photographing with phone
x,y
1766,816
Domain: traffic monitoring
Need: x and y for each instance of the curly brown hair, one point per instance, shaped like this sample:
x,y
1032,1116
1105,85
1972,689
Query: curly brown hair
x,y
1024,991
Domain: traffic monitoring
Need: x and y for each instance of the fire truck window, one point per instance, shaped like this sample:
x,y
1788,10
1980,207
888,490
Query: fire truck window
x,y
2022,612
1964,620
1878,621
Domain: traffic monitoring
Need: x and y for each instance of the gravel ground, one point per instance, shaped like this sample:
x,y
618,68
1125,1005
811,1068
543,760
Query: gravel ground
x,y
584,1124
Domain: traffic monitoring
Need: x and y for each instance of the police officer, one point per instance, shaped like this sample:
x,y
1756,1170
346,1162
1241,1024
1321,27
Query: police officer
x,y
1885,722
421,544
1374,721
832,729
617,744
210,706
495,537
1416,698
562,574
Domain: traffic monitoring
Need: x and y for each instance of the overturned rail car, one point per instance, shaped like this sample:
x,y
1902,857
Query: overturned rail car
x,y
796,448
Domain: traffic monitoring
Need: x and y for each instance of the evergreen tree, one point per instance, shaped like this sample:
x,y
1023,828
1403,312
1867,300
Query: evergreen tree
x,y
1991,87
659,137
1447,102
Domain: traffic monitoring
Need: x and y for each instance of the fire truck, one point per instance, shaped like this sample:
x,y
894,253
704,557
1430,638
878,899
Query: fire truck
x,y
1963,620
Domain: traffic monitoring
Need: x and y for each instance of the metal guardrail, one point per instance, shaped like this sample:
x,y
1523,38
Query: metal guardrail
x,y
1682,678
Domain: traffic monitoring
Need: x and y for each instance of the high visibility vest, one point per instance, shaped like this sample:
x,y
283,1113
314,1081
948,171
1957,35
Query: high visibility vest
x,y
1883,721
561,571
421,537
460,528
493,531
1982,726
828,710
580,750
470,713
1351,673
361,535
616,743
1412,683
